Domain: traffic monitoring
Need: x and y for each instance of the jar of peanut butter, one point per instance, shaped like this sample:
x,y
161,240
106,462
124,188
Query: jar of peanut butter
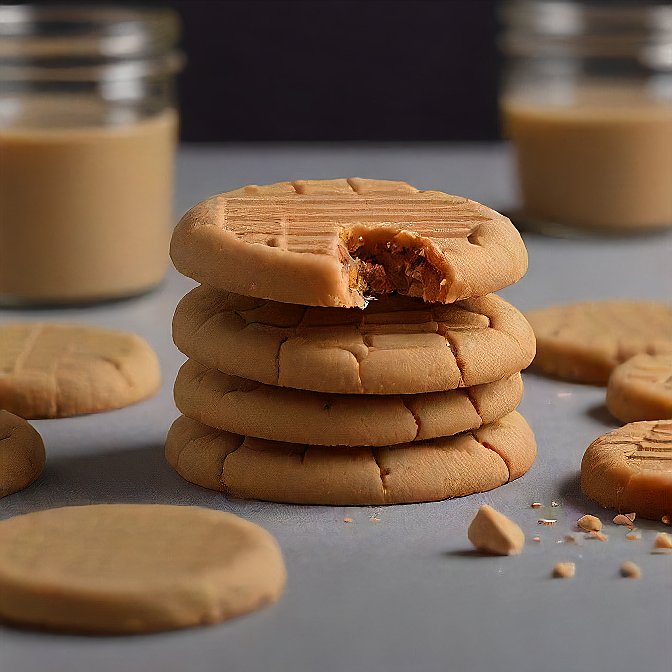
x,y
87,140
587,105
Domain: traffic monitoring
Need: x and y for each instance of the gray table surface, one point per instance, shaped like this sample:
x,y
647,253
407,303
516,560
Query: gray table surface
x,y
404,594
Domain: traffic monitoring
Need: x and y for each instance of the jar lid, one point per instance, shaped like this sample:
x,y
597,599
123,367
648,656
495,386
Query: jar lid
x,y
81,43
594,28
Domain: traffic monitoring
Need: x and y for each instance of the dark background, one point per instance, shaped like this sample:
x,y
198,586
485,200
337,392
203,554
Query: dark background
x,y
339,70
352,70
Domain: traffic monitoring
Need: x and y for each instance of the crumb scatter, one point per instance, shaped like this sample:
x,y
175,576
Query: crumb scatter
x,y
589,523
630,570
663,541
564,570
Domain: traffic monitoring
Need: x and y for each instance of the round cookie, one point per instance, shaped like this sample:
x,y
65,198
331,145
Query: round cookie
x,y
586,341
416,472
641,389
397,345
134,568
282,414
21,454
57,370
337,242
630,469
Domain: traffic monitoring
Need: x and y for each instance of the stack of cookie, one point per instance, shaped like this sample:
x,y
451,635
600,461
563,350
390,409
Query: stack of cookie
x,y
345,347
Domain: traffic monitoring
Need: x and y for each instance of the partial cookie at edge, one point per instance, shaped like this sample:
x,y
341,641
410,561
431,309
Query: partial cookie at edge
x,y
50,370
586,341
641,389
630,469
22,454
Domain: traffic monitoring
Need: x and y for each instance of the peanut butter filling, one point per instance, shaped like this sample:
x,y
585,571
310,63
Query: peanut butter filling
x,y
385,261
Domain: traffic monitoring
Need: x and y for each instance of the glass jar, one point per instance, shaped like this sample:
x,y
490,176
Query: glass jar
x,y
587,104
87,139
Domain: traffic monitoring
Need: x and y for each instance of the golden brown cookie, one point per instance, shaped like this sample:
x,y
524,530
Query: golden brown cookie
x,y
282,414
56,370
396,345
134,568
630,469
336,242
641,389
416,472
21,454
586,341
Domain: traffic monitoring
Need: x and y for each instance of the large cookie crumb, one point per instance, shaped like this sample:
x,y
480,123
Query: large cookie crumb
x,y
492,532
663,541
630,570
564,570
589,523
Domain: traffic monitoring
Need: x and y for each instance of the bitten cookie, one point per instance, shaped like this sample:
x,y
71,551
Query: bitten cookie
x,y
57,370
21,454
630,469
641,389
134,568
397,345
281,414
586,341
416,472
337,242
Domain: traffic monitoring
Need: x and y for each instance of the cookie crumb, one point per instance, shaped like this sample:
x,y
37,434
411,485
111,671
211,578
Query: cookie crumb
x,y
626,519
630,570
600,536
536,505
633,535
665,520
347,520
564,570
663,542
492,532
589,523
547,521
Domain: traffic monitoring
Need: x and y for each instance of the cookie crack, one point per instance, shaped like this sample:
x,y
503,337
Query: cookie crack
x,y
58,397
28,348
488,446
382,471
367,344
278,371
458,361
620,491
119,369
472,400
416,418
511,337
226,457
211,318
208,438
